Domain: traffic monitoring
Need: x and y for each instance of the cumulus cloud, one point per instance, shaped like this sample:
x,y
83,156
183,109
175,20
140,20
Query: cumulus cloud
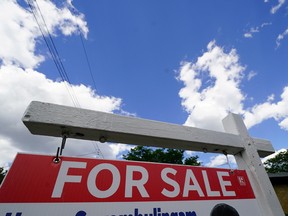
x,y
60,18
18,87
277,110
20,82
17,26
221,160
20,33
211,89
208,103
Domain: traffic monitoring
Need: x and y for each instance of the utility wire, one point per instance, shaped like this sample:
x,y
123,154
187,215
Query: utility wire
x,y
87,59
52,49
98,150
57,60
95,145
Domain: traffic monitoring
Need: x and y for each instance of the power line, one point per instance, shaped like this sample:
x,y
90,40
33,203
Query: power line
x,y
95,145
87,60
98,150
57,60
52,49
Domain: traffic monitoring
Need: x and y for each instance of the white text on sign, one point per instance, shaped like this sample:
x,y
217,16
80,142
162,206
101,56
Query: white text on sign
x,y
170,186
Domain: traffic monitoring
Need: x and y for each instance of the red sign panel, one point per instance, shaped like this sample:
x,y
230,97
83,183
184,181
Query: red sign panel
x,y
36,179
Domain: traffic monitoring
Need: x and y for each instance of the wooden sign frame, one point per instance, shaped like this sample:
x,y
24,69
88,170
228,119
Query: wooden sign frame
x,y
56,120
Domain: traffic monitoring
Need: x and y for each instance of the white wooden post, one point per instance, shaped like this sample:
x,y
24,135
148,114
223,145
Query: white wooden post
x,y
54,120
249,160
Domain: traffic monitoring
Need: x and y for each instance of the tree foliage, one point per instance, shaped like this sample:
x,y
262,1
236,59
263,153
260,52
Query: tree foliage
x,y
279,163
2,174
161,155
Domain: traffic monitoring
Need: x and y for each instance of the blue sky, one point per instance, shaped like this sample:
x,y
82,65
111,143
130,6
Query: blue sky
x,y
183,62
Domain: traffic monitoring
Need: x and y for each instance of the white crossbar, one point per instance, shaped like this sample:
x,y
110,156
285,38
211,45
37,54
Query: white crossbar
x,y
54,120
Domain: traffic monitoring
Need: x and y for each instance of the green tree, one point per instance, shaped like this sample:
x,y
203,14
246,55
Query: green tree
x,y
2,174
279,163
161,155
193,161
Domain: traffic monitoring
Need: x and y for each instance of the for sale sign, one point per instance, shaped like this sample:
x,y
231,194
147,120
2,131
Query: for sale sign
x,y
35,185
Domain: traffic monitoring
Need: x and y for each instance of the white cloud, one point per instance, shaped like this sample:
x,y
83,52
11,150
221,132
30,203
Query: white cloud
x,y
278,6
253,30
272,155
20,33
189,153
265,24
20,82
281,37
220,160
260,112
18,87
208,104
271,98
251,74
118,149
61,18
248,35
284,124
17,26
6,149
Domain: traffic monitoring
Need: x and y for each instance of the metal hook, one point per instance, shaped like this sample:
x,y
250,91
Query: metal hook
x,y
60,149
226,154
57,158
64,137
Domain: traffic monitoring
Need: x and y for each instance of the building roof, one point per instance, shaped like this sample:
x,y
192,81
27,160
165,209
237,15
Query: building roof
x,y
278,178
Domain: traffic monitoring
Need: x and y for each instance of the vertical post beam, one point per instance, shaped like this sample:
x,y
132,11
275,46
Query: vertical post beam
x,y
250,161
